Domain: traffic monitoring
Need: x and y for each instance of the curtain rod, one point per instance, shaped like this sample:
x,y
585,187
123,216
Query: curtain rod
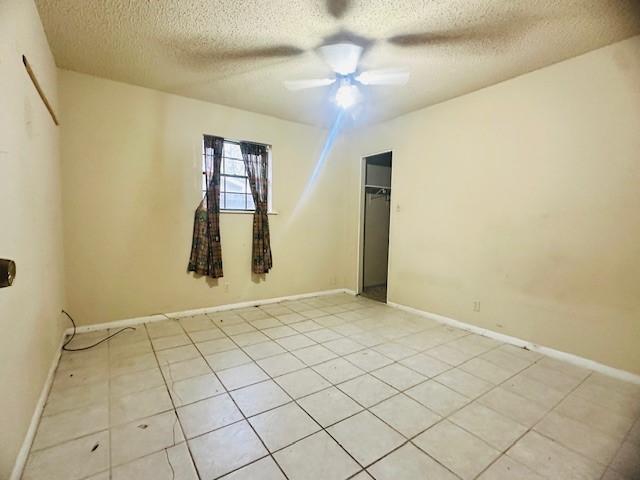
x,y
237,142
36,84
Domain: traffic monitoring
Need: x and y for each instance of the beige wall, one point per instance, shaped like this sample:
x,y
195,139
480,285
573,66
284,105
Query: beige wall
x,y
524,196
31,231
131,175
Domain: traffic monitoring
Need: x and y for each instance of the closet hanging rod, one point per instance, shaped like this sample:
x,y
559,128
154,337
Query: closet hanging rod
x,y
380,191
377,186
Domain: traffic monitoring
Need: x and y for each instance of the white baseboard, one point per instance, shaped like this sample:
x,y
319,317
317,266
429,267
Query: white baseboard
x,y
23,453
518,342
128,322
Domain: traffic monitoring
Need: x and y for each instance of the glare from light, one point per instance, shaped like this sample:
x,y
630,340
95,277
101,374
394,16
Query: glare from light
x,y
347,96
332,135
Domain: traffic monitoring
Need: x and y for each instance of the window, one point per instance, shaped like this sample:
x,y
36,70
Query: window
x,y
235,192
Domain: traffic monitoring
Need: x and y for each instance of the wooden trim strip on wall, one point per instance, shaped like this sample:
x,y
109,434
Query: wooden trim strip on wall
x,y
36,84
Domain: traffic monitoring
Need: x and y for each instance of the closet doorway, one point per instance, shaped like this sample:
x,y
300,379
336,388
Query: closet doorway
x,y
374,238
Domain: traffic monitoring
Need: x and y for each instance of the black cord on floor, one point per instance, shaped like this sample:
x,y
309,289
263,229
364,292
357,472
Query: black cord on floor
x,y
64,346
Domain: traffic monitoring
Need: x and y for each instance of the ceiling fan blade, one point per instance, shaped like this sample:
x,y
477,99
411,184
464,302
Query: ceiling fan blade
x,y
277,51
384,77
312,83
200,51
427,38
343,58
496,32
337,8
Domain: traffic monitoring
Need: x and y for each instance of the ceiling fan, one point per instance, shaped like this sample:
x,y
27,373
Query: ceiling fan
x,y
343,59
343,50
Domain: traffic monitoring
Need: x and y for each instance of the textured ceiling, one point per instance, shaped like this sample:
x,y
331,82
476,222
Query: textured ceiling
x,y
238,53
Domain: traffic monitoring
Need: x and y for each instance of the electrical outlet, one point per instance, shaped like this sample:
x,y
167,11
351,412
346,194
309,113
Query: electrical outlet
x,y
332,281
226,288
476,306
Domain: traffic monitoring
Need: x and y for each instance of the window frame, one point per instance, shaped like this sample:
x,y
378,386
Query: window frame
x,y
222,175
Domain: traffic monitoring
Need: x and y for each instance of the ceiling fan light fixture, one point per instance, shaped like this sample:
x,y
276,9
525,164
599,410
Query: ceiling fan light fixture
x,y
343,58
347,95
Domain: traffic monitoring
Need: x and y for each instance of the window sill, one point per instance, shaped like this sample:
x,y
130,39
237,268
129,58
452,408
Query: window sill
x,y
244,212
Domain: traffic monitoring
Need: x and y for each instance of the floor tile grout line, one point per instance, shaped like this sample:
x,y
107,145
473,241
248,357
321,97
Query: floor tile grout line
x,y
322,428
245,419
410,442
332,385
392,340
241,348
624,440
621,442
175,408
406,439
175,413
364,409
299,406
473,399
501,453
109,378
584,380
442,417
363,374
552,409
529,429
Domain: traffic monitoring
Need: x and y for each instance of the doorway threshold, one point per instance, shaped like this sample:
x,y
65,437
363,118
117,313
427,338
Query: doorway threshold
x,y
375,292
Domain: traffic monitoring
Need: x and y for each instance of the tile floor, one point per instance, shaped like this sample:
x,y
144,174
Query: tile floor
x,y
331,387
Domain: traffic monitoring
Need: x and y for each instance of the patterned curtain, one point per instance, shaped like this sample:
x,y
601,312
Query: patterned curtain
x,y
256,161
206,249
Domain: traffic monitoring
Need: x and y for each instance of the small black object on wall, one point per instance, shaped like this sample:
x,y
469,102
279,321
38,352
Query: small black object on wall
x,y
7,272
